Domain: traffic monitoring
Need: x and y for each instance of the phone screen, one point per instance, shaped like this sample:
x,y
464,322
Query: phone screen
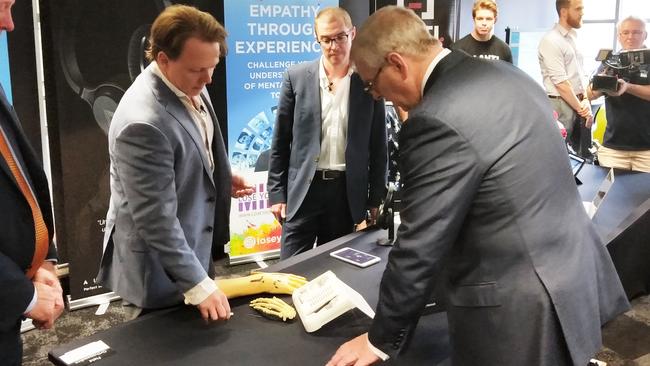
x,y
355,257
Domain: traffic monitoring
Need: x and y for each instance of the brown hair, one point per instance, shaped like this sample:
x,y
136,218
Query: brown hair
x,y
562,4
485,4
176,24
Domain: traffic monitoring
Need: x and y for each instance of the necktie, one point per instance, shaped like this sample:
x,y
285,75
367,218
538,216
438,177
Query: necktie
x,y
42,240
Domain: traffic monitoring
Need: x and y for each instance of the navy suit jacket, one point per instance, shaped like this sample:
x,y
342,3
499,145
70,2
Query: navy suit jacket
x,y
17,230
488,196
297,136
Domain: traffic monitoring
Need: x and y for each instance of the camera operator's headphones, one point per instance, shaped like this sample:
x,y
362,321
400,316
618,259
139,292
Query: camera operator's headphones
x,y
104,97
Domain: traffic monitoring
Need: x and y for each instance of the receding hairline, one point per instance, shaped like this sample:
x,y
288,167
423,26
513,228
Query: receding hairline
x,y
336,13
377,36
631,18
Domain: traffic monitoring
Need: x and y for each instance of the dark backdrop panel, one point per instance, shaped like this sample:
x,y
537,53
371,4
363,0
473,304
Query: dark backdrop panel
x,y
445,14
87,56
22,63
358,10
217,89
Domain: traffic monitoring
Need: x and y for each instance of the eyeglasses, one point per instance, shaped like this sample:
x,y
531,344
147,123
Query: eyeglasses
x,y
634,33
368,85
339,39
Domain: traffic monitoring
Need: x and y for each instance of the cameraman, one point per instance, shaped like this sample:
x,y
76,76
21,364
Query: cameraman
x,y
626,144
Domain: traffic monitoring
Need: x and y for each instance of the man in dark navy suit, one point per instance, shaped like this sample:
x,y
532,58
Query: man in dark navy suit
x,y
483,214
28,283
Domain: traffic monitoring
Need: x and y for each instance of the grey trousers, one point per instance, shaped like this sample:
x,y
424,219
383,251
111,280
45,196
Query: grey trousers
x,y
578,136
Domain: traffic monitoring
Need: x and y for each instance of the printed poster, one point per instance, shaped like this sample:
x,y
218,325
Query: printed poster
x,y
264,39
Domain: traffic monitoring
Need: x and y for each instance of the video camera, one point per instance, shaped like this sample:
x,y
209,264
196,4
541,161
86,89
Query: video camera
x,y
629,65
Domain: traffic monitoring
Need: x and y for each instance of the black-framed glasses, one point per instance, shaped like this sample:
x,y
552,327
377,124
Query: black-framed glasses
x,y
339,39
368,85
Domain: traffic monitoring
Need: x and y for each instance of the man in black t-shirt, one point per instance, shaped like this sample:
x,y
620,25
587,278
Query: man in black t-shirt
x,y
481,42
626,144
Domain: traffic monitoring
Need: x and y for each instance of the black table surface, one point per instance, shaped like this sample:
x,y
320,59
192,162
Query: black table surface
x,y
622,222
629,191
179,336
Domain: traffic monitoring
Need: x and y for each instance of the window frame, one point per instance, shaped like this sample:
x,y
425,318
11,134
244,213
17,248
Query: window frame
x,y
617,18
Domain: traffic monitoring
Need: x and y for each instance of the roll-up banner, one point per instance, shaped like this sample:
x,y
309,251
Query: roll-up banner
x,y
5,76
92,51
265,38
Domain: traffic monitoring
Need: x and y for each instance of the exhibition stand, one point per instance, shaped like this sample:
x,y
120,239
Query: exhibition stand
x,y
179,336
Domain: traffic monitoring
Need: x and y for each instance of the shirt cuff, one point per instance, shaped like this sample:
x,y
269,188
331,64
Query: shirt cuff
x,y
200,292
377,352
32,303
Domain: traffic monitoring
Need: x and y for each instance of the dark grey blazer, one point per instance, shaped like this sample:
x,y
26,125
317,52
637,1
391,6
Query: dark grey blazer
x,y
487,189
296,143
167,209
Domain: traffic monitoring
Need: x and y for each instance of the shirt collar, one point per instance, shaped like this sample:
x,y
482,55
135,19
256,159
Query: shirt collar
x,y
322,75
432,65
563,31
156,70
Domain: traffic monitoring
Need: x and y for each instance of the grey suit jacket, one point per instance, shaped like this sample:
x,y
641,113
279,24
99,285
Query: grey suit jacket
x,y
489,201
167,208
296,143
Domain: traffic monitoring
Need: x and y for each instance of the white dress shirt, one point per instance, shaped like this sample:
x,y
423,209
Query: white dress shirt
x,y
334,116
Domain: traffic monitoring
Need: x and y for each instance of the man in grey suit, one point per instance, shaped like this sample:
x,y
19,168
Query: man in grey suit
x,y
170,178
486,192
327,165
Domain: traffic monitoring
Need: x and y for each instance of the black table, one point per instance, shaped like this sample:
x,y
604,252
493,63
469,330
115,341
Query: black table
x,y
180,337
629,191
623,222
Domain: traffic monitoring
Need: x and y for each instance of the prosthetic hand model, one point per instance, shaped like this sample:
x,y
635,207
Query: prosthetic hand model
x,y
260,282
274,308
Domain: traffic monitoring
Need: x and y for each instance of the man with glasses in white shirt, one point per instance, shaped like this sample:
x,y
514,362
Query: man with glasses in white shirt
x,y
626,143
327,165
